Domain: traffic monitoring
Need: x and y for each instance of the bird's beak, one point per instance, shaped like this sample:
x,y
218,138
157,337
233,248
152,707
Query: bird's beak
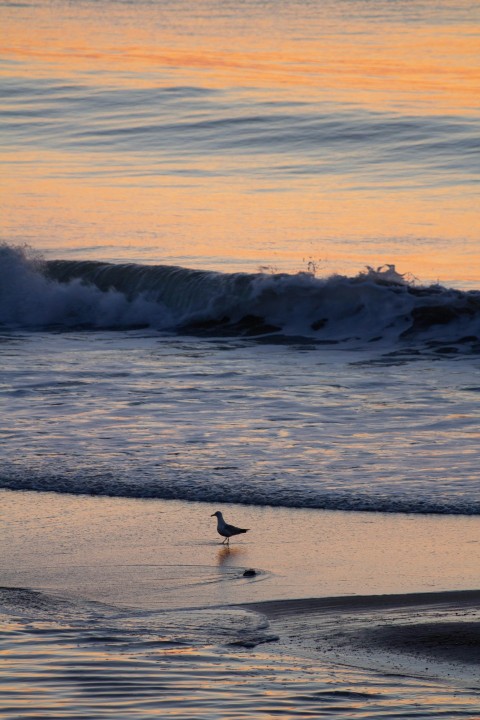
x,y
212,515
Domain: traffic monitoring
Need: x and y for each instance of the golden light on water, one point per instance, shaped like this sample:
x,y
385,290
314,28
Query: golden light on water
x,y
235,210
434,68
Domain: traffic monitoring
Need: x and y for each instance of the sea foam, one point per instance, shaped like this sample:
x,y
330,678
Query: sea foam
x,y
373,305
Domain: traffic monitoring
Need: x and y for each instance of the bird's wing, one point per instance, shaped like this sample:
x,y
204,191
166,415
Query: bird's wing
x,y
233,530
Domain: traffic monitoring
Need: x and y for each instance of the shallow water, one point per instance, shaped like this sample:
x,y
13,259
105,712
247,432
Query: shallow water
x,y
62,671
142,415
66,658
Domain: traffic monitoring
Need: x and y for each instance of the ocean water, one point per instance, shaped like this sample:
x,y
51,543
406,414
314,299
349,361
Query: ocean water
x,y
239,264
236,135
151,381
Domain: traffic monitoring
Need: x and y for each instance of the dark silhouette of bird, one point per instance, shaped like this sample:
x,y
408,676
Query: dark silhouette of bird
x,y
225,530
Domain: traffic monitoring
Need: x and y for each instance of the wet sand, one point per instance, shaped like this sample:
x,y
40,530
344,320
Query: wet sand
x,y
159,554
421,634
137,606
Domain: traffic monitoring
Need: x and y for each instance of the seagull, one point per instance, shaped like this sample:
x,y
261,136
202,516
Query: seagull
x,y
226,530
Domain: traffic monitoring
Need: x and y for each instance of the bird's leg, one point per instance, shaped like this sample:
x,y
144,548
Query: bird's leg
x,y
224,541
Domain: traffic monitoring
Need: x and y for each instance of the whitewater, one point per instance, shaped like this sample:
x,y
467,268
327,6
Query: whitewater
x,y
153,381
375,305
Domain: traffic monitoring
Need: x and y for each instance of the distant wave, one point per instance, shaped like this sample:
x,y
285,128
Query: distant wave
x,y
375,305
195,122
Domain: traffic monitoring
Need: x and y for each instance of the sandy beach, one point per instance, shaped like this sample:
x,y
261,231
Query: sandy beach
x,y
124,574
162,554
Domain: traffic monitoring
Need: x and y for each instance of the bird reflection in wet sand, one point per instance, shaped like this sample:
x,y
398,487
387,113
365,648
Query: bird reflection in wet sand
x,y
229,555
225,530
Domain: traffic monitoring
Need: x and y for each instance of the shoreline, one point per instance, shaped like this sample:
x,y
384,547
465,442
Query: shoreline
x,y
167,554
427,636
357,593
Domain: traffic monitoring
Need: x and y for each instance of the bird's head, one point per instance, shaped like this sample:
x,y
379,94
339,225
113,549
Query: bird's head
x,y
216,514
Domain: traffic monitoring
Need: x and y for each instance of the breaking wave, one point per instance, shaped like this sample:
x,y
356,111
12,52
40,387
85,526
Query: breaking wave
x,y
377,304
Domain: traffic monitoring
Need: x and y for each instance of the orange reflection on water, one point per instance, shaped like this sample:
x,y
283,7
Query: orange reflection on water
x,y
431,69
229,225
238,214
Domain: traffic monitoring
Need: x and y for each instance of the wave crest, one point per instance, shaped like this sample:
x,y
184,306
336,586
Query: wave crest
x,y
375,304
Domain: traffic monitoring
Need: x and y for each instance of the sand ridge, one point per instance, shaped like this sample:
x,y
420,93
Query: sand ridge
x,y
433,634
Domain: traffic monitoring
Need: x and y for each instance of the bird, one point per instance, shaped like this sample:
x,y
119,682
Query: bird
x,y
226,530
